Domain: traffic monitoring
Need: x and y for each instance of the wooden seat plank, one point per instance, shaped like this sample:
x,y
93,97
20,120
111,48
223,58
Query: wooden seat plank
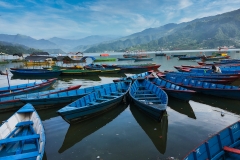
x,y
21,138
21,156
24,123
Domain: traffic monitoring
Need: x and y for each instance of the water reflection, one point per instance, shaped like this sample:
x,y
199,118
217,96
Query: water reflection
x,y
70,78
120,74
181,107
156,131
230,105
78,132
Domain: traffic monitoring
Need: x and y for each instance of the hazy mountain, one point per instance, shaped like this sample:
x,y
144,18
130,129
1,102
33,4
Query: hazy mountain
x,y
28,41
208,32
79,44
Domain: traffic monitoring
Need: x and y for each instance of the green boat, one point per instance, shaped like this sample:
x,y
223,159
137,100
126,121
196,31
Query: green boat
x,y
104,59
66,72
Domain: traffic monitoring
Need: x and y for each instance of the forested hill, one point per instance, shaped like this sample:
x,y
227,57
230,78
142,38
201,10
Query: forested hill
x,y
208,32
9,48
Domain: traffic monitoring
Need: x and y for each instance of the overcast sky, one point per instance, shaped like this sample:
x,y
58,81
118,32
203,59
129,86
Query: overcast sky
x,y
75,19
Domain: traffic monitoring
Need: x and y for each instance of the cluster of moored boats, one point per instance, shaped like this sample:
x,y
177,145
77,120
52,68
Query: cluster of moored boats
x,y
149,91
90,69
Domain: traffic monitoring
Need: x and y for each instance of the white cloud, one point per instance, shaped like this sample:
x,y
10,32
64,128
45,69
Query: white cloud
x,y
184,4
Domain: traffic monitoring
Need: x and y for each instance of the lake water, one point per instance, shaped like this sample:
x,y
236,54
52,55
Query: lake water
x,y
125,132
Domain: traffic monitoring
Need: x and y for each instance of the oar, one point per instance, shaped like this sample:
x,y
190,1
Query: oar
x,y
8,81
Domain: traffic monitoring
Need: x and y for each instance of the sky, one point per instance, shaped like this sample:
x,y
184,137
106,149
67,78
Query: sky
x,y
75,19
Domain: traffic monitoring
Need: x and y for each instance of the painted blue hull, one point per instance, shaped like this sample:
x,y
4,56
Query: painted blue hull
x,y
219,146
149,98
96,102
14,102
29,89
82,113
38,73
226,91
190,58
172,89
144,74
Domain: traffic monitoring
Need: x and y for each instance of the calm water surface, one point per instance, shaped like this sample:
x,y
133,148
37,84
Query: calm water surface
x,y
125,132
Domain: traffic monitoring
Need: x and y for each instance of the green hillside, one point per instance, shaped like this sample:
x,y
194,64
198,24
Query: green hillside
x,y
206,33
9,48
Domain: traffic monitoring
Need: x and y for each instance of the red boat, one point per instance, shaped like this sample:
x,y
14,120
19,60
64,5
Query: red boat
x,y
147,66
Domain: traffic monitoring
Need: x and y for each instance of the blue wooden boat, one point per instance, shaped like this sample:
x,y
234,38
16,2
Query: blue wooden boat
x,y
23,86
172,89
15,102
204,76
33,87
220,90
67,97
22,135
189,57
95,103
179,55
149,98
144,74
203,79
37,73
223,145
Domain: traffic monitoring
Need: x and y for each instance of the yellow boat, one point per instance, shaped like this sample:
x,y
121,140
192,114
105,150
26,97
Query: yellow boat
x,y
37,63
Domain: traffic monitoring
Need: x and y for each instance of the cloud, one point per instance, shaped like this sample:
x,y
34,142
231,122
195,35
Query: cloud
x,y
98,17
184,4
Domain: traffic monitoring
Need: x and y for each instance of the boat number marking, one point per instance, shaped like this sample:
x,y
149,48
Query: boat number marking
x,y
198,151
234,126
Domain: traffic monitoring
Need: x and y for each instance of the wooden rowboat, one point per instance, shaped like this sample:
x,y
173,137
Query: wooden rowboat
x,y
30,88
22,136
95,103
223,145
15,102
220,90
23,86
36,73
149,98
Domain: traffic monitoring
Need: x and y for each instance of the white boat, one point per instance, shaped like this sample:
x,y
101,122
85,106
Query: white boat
x,y
22,136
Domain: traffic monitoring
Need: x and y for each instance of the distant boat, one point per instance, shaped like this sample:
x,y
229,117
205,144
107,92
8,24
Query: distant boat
x,y
95,102
223,145
22,135
143,59
146,66
179,55
125,59
160,54
149,98
36,73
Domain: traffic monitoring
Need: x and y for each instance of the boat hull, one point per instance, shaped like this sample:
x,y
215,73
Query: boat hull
x,y
223,145
149,98
87,113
